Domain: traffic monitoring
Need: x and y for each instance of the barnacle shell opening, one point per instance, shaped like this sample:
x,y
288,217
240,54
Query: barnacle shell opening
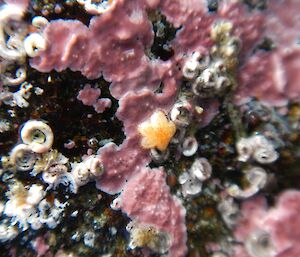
x,y
22,157
10,12
38,135
33,44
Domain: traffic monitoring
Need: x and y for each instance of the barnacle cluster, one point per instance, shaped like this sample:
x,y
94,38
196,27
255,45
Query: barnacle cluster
x,y
212,74
15,45
258,148
193,179
35,155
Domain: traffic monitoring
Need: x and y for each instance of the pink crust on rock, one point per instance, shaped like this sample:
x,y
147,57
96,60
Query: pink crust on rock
x,y
146,198
178,12
110,45
283,22
273,76
89,96
121,163
281,223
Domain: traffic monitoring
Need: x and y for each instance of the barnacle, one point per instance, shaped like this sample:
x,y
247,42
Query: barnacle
x,y
38,135
33,44
259,244
20,77
96,7
181,113
201,169
192,180
157,131
22,158
189,146
257,179
89,168
15,52
258,147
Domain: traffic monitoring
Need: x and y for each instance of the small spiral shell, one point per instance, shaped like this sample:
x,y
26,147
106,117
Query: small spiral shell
x,y
38,135
22,157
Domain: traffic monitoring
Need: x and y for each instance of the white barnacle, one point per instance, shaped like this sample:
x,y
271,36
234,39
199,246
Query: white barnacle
x,y
96,7
257,178
181,113
189,146
116,204
190,185
201,169
49,177
20,97
245,149
38,135
159,156
66,179
264,152
205,84
22,157
229,211
20,78
232,47
7,13
259,244
209,77
219,65
39,22
94,165
89,238
4,125
50,214
81,173
195,64
221,30
190,69
34,43
257,147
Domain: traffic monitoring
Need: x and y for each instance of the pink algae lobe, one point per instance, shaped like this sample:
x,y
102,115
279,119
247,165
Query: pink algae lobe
x,y
146,198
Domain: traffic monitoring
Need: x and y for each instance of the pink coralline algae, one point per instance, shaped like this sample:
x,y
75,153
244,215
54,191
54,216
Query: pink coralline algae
x,y
116,44
89,96
127,161
75,46
270,232
147,200
272,76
